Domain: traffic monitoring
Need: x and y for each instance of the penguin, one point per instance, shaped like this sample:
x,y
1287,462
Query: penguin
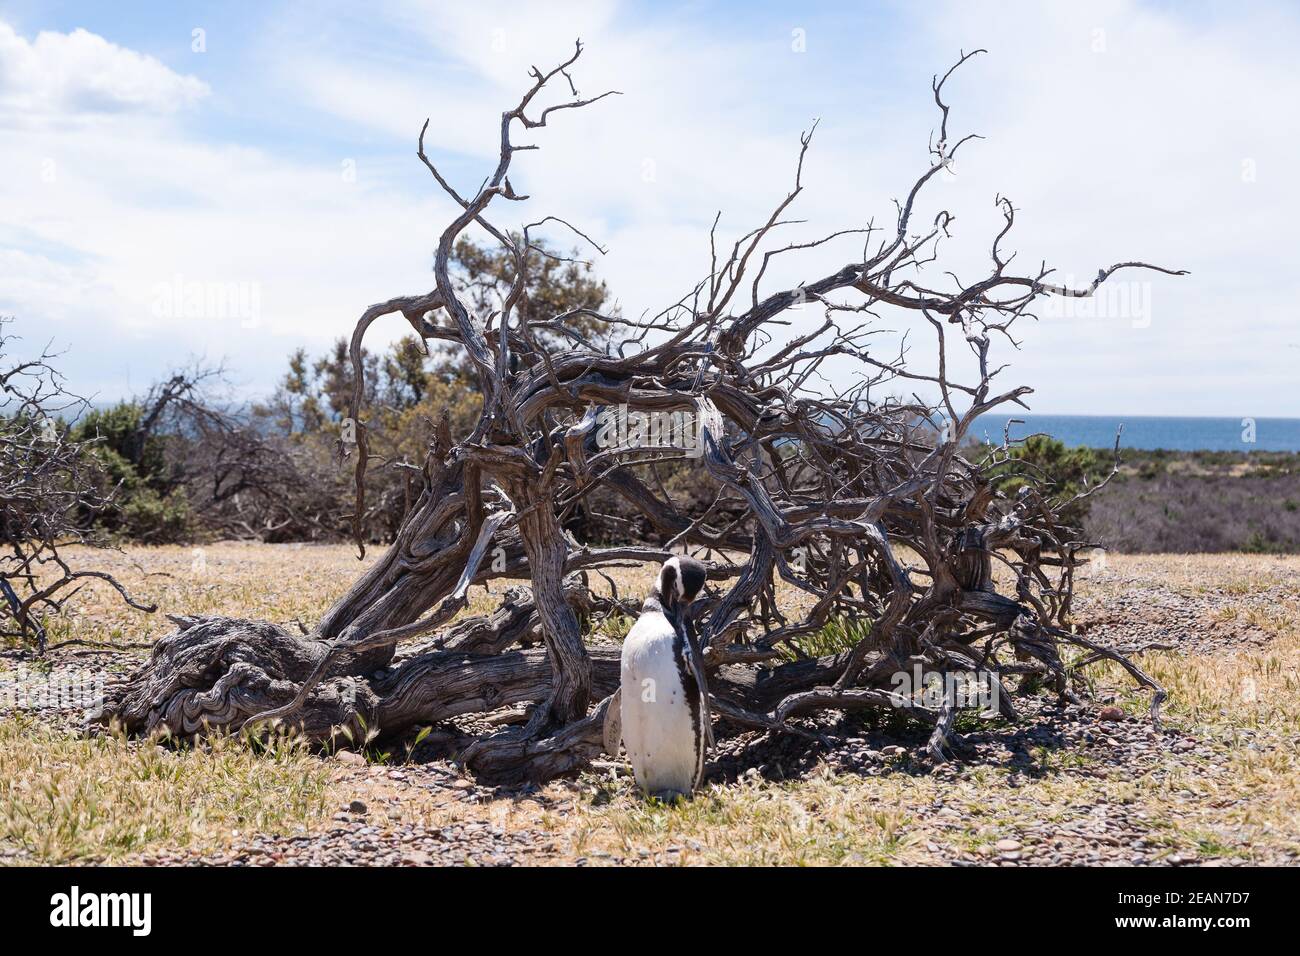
x,y
663,695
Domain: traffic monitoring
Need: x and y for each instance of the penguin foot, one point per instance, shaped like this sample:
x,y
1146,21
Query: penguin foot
x,y
669,796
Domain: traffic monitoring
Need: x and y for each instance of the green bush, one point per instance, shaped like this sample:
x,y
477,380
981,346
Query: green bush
x,y
151,518
1064,471
151,507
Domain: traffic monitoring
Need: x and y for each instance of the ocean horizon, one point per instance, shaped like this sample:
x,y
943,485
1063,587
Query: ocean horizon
x,y
1142,432
1150,432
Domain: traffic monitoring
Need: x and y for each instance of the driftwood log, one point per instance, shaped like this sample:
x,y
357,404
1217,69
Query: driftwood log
x,y
873,506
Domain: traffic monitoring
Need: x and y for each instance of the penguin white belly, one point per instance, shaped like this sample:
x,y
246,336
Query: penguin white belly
x,y
659,725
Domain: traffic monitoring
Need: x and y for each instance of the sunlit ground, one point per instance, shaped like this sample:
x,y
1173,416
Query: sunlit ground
x,y
1220,787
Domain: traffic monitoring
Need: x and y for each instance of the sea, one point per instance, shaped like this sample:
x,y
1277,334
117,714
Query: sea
x,y
1150,432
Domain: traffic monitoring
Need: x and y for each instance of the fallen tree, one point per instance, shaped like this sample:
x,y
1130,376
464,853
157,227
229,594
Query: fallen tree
x,y
862,501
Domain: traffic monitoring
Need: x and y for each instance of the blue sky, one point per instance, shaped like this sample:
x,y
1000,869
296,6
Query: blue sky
x,y
273,169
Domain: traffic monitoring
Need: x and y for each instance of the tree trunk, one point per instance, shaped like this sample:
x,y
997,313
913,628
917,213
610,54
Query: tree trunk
x,y
832,484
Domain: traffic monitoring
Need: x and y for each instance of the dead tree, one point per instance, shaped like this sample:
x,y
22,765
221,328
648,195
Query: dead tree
x,y
240,481
51,490
848,495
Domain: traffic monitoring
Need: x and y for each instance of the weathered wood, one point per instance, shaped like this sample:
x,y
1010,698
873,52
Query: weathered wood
x,y
871,506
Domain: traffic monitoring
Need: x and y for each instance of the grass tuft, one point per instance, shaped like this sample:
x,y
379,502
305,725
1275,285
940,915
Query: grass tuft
x,y
70,799
836,635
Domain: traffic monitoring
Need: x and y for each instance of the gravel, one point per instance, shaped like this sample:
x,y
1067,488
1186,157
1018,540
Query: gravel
x,y
1125,608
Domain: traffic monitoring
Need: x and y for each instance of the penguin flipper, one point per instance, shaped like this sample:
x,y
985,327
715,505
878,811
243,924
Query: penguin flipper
x,y
696,669
613,731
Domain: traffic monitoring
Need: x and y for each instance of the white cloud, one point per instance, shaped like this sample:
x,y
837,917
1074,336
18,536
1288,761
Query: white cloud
x,y
644,172
103,218
63,75
1135,151
133,211
1123,131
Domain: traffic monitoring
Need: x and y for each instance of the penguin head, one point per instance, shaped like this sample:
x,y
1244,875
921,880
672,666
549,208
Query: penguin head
x,y
681,580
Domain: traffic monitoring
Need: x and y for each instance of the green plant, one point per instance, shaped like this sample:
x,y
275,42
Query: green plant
x,y
1064,471
151,507
836,635
616,626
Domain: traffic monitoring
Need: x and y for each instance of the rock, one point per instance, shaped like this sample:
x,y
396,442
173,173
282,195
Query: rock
x,y
351,758
1008,846
1110,713
356,806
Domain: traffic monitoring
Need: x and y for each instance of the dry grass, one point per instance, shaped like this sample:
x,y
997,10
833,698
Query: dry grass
x,y
69,799
64,798
1238,801
283,583
280,583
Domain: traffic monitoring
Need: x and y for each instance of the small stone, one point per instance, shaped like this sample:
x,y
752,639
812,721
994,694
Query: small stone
x,y
351,758
1008,846
356,806
460,783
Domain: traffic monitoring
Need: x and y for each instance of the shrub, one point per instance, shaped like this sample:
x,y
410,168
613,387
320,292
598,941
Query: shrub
x,y
151,507
1065,471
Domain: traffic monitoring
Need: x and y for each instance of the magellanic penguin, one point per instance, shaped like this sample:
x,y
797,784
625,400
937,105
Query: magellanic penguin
x,y
663,694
